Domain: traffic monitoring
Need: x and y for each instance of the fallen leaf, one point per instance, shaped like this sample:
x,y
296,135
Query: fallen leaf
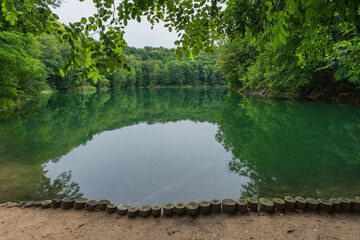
x,y
291,230
281,214
315,230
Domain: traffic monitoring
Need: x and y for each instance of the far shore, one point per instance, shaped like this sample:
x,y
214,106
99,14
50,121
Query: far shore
x,y
30,223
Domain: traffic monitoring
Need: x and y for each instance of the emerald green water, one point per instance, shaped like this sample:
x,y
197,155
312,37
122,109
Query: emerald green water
x,y
150,146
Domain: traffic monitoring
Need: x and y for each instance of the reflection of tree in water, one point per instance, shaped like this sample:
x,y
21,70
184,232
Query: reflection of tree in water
x,y
61,187
291,147
45,132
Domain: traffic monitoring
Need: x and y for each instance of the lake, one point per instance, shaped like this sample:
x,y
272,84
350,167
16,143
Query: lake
x,y
153,146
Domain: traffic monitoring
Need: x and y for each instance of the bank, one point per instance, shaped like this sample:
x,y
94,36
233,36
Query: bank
x,y
29,223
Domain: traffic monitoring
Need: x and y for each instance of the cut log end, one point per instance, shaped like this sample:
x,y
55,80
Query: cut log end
x,y
156,210
144,211
242,205
265,205
252,203
102,204
192,208
215,205
180,208
91,205
312,204
229,206
122,208
133,212
169,209
290,202
205,207
111,208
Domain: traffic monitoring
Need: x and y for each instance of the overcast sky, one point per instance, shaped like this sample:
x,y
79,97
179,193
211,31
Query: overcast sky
x,y
136,34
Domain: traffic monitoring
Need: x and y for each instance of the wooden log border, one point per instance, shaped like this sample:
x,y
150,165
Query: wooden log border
x,y
240,205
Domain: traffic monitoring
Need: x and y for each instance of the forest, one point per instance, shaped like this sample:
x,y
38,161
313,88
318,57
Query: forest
x,y
32,65
295,48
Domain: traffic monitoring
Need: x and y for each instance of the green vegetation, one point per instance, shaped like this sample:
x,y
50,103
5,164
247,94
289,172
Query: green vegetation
x,y
306,48
32,64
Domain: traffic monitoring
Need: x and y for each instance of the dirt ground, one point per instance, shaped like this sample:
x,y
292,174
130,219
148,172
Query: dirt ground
x,y
20,223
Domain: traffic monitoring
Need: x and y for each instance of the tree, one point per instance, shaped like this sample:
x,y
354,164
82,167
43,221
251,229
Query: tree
x,y
21,74
197,30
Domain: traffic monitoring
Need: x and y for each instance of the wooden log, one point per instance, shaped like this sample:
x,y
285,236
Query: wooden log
x,y
336,204
133,212
46,204
67,203
21,204
252,203
205,207
10,204
345,204
228,206
111,208
156,210
265,205
29,204
325,205
312,204
144,211
37,204
80,203
102,204
355,204
300,203
279,204
169,209
215,205
192,208
290,202
91,205
180,208
357,197
122,208
56,203
242,205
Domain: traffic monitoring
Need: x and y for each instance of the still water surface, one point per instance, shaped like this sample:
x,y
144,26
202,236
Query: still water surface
x,y
152,146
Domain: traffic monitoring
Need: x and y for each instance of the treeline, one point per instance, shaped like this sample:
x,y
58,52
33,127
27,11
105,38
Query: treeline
x,y
31,65
330,68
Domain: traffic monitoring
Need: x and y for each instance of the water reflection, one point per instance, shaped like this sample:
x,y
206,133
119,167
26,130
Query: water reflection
x,y
291,147
263,148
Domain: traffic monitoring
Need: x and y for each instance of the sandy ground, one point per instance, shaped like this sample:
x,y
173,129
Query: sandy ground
x,y
20,223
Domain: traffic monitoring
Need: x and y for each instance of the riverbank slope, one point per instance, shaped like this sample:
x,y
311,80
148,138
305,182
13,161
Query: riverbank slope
x,y
19,223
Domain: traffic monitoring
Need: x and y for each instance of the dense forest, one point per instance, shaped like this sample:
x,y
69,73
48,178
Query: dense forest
x,y
32,64
303,48
307,48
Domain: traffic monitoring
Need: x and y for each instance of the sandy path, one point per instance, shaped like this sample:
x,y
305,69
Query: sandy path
x,y
19,223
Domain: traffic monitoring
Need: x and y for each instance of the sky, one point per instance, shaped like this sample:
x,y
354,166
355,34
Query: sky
x,y
136,34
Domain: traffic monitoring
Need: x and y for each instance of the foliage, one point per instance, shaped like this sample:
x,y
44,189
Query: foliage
x,y
44,57
21,74
197,31
305,47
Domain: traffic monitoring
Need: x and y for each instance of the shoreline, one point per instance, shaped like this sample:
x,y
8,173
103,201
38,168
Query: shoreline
x,y
20,223
345,98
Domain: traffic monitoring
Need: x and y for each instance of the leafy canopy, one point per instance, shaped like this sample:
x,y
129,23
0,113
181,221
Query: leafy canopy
x,y
195,21
199,24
